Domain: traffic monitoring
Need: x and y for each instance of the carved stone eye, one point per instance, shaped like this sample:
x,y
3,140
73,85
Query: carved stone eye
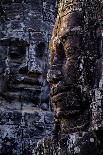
x,y
14,55
16,52
40,49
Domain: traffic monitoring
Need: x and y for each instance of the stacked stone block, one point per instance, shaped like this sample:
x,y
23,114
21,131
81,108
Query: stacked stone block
x,y
24,121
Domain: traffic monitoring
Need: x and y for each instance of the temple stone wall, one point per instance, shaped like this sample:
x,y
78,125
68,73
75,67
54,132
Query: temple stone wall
x,y
25,116
26,122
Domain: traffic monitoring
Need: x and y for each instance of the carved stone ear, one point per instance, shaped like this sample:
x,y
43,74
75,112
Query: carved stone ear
x,y
40,48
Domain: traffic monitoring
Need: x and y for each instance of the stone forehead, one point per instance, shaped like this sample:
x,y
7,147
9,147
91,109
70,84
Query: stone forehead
x,y
25,35
22,1
23,38
15,41
68,6
24,22
23,17
65,5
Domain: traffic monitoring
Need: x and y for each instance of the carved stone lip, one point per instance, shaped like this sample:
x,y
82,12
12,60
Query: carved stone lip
x,y
21,97
61,101
59,89
26,87
20,86
28,81
23,91
60,97
66,113
62,88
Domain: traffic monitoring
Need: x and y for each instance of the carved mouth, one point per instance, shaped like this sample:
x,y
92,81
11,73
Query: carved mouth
x,y
61,99
25,83
24,89
58,97
21,87
28,81
62,104
60,89
22,96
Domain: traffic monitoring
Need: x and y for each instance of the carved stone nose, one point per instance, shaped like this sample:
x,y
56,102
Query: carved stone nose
x,y
34,72
54,76
23,69
29,70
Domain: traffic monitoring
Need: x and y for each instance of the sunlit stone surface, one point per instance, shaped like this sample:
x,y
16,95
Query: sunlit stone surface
x,y
76,80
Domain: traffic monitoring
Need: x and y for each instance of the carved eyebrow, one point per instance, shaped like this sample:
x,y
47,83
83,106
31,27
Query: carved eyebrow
x,y
13,41
20,51
19,42
77,30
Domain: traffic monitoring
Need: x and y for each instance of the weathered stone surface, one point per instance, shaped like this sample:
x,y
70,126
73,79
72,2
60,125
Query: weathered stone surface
x,y
75,76
76,80
81,143
25,29
76,59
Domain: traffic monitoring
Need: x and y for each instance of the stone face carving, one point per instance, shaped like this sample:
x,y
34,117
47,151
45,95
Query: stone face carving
x,y
22,80
18,83
76,80
75,59
25,29
66,65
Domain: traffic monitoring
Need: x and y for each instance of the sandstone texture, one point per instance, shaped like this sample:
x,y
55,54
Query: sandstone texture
x,y
25,31
76,80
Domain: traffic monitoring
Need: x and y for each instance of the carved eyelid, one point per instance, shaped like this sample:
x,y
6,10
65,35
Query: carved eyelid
x,y
77,30
16,52
18,44
13,51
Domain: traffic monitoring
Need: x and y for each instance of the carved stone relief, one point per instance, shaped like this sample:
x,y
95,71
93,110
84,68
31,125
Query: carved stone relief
x,y
75,59
76,80
25,117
